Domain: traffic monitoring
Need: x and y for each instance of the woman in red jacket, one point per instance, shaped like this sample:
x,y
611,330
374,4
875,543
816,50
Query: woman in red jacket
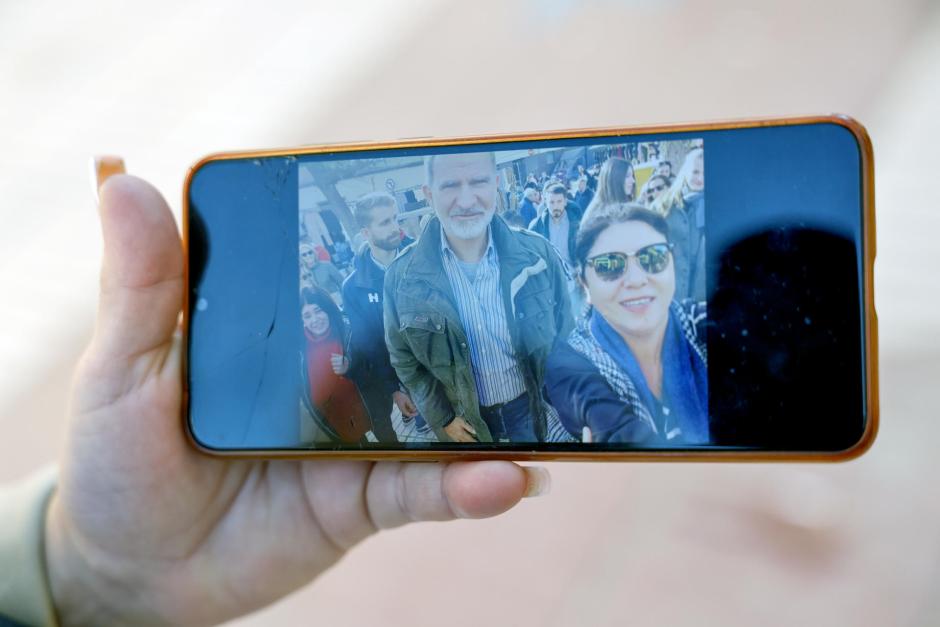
x,y
333,397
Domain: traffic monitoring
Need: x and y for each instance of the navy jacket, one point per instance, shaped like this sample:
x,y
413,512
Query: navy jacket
x,y
583,199
527,210
369,365
583,398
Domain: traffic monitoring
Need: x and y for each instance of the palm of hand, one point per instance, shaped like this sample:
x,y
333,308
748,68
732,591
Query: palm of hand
x,y
145,530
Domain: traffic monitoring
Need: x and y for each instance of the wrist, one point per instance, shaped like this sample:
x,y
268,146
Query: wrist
x,y
24,581
73,604
86,588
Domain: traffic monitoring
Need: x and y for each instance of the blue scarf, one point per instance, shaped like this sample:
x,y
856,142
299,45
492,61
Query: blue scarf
x,y
685,380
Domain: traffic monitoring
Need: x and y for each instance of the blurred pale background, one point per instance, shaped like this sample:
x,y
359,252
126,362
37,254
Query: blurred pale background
x,y
672,545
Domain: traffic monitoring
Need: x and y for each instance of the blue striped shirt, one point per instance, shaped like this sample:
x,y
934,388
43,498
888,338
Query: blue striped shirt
x,y
496,371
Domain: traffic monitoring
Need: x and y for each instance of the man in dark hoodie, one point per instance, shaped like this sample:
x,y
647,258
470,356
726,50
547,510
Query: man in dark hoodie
x,y
377,215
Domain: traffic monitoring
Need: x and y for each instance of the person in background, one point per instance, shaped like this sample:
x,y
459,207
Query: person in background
x,y
376,214
584,195
308,259
585,173
528,208
683,205
616,184
592,173
342,255
654,187
513,219
559,225
664,169
634,369
332,396
572,209
556,224
321,274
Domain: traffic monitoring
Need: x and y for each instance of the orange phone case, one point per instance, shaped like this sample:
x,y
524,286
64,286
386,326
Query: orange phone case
x,y
871,325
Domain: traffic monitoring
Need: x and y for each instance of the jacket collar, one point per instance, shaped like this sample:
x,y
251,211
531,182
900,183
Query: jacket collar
x,y
513,255
425,261
426,258
368,274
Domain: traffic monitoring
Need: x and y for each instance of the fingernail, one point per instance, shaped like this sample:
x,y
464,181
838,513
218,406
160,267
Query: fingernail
x,y
537,481
586,436
104,167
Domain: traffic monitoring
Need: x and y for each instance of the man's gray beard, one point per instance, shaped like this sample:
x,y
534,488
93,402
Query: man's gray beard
x,y
468,231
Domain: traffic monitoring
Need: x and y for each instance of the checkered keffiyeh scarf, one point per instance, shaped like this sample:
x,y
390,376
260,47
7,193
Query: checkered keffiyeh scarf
x,y
556,430
689,314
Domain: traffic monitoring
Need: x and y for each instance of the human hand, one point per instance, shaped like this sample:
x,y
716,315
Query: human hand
x,y
144,530
339,363
459,430
405,405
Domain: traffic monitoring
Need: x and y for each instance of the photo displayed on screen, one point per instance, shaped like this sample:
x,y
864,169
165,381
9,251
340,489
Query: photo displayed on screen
x,y
550,295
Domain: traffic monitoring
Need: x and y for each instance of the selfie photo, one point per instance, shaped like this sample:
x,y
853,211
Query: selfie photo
x,y
550,295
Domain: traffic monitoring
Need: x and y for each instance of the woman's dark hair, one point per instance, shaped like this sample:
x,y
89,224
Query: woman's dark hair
x,y
611,179
601,217
318,297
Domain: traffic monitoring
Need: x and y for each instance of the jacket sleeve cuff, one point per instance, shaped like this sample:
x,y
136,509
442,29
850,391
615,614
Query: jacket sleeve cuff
x,y
25,596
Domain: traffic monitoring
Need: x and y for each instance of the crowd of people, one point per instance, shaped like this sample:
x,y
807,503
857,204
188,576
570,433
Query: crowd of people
x,y
575,315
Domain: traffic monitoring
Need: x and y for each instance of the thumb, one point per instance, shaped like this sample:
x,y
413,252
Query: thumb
x,y
142,271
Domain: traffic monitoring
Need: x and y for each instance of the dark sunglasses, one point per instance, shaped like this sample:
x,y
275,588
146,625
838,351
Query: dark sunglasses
x,y
658,188
653,259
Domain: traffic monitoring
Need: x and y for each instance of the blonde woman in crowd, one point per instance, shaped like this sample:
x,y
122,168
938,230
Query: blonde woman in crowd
x,y
683,206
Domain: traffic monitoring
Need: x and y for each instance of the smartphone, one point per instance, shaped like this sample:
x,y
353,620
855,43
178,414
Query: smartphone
x,y
585,295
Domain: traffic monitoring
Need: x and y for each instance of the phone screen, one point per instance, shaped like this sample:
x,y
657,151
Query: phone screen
x,y
601,293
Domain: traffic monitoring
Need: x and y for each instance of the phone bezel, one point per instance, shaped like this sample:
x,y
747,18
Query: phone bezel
x,y
871,320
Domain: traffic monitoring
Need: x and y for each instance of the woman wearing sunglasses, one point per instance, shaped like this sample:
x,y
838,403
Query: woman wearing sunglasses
x,y
634,369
